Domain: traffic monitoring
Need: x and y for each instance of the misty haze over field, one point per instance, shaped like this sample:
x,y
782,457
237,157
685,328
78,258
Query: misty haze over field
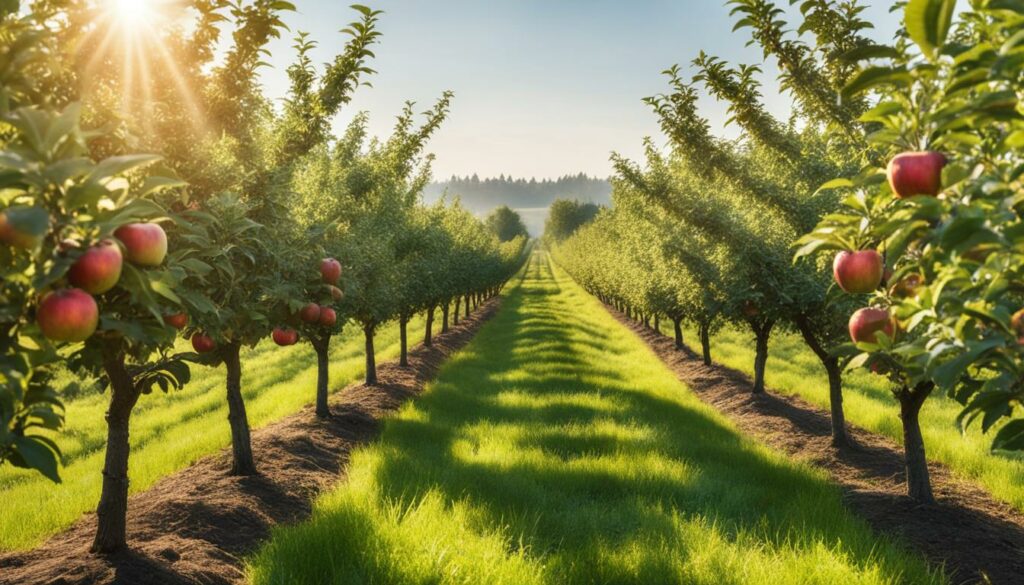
x,y
529,197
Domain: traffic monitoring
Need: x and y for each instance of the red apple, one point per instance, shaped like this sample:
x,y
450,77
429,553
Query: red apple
x,y
284,336
916,173
98,269
328,317
203,343
12,235
336,293
69,314
310,313
867,322
145,244
858,272
330,270
176,320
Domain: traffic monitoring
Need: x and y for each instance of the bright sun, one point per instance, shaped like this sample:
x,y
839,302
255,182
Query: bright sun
x,y
132,15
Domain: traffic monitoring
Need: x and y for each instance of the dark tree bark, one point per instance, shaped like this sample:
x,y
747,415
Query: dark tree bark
x,y
321,345
835,380
111,514
677,326
919,485
371,358
428,339
403,337
242,462
657,322
467,305
705,342
762,332
444,317
455,313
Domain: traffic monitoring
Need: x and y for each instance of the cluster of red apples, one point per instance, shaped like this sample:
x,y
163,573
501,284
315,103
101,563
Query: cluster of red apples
x,y
71,313
858,272
311,313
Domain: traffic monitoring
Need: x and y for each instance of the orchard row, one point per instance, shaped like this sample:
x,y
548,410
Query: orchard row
x,y
883,223
250,222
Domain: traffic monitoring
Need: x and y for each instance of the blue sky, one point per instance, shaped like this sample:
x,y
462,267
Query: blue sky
x,y
542,88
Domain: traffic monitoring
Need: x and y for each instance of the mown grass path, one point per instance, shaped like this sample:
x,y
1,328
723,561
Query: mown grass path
x,y
557,448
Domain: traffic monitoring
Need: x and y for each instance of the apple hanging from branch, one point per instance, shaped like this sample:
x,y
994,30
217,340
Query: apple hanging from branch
x,y
858,272
69,314
98,269
916,173
145,244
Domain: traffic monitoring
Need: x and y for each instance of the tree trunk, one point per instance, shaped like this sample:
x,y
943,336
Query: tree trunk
x,y
455,313
322,345
657,322
647,321
444,317
112,511
705,342
403,337
467,305
919,485
428,333
371,358
762,333
677,325
835,380
242,462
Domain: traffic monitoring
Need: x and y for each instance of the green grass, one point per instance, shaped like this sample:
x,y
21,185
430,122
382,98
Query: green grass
x,y
556,448
169,432
792,369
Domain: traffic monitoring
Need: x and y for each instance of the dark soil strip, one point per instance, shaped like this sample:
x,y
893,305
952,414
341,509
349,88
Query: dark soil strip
x,y
968,531
197,525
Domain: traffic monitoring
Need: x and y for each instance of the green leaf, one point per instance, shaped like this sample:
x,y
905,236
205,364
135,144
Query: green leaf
x,y
117,165
163,289
1010,437
873,77
37,455
839,183
927,23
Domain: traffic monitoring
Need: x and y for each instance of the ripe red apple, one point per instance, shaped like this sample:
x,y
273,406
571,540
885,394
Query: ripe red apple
x,y
867,322
336,293
145,244
69,314
11,235
176,320
284,336
916,173
310,313
858,272
203,343
98,269
328,317
330,270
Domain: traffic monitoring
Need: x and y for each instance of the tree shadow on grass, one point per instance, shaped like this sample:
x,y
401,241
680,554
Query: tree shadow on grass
x,y
574,459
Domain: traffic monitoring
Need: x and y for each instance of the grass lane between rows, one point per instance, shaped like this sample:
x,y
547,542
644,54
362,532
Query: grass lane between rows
x,y
170,432
557,448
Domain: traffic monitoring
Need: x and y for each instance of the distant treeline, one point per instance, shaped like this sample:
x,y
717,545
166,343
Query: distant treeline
x,y
483,195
